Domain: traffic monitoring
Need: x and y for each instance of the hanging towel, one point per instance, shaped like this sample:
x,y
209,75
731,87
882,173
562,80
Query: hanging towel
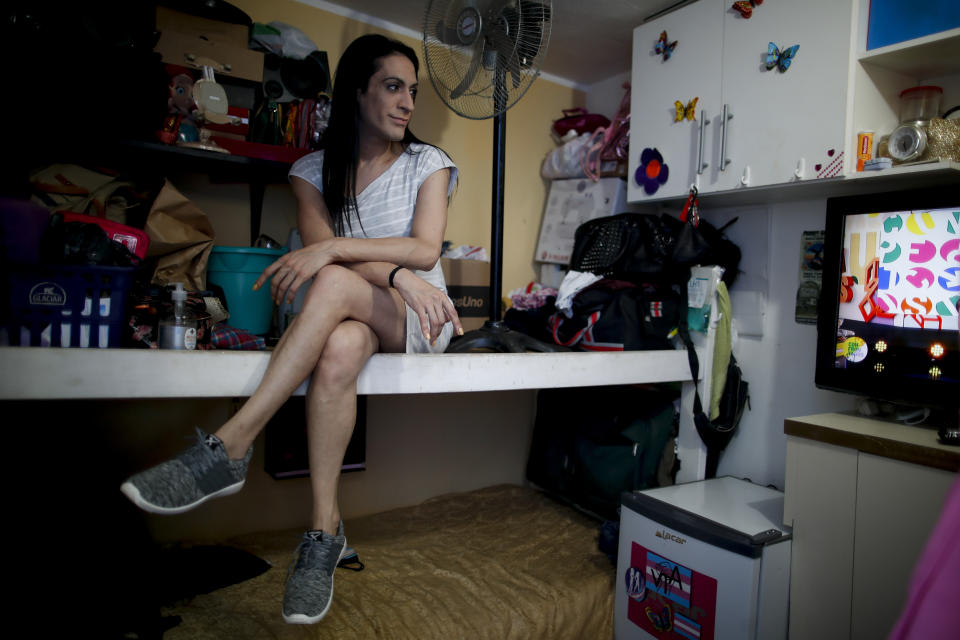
x,y
721,349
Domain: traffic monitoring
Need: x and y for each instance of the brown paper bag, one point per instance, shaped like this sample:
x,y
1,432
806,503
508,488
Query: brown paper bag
x,y
71,187
181,238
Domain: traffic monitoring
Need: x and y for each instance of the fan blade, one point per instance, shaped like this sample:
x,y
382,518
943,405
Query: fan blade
x,y
476,59
446,35
533,17
501,35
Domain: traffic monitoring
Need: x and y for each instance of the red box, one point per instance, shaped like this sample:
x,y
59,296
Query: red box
x,y
136,240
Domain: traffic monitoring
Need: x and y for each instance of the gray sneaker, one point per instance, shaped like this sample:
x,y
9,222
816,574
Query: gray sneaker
x,y
198,474
309,589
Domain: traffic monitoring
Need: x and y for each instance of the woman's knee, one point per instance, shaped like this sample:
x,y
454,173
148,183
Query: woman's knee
x,y
346,352
331,281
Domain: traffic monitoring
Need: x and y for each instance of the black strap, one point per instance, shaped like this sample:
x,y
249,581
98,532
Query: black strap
x,y
700,419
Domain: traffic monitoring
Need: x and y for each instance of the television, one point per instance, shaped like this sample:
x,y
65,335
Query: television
x,y
887,317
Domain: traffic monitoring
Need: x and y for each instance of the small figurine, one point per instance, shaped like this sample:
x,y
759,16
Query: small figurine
x,y
181,123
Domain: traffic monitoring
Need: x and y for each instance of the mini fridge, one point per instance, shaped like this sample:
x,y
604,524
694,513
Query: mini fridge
x,y
701,561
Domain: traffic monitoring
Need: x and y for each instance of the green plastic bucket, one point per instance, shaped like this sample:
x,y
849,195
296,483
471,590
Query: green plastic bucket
x,y
235,269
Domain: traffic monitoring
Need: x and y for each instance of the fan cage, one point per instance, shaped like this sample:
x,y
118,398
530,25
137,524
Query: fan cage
x,y
448,59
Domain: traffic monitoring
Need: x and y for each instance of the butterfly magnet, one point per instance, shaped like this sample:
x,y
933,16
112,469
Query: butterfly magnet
x,y
688,111
780,59
745,7
663,47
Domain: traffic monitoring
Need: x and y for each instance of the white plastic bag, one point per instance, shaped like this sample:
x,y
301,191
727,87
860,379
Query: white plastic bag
x,y
564,161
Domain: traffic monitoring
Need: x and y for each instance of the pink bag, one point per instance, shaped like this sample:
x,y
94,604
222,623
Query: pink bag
x,y
579,120
610,143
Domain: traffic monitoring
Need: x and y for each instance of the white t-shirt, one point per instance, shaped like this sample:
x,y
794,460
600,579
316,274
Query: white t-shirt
x,y
387,205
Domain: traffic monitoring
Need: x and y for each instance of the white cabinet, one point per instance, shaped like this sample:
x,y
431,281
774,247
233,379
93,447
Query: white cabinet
x,y
862,497
786,126
693,71
779,127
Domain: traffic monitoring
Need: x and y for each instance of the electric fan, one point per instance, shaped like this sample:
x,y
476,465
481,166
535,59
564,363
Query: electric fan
x,y
482,56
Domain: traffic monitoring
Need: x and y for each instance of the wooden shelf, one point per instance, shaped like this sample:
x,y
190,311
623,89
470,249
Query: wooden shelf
x,y
37,373
147,157
931,56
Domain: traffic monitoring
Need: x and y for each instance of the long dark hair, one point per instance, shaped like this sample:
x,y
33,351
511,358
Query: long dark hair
x,y
359,62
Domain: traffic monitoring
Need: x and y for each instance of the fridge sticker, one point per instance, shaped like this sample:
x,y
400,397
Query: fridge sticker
x,y
669,600
668,579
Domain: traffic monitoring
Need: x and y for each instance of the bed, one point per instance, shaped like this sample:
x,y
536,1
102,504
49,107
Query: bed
x,y
501,562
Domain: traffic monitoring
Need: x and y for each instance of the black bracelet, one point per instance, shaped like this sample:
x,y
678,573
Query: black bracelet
x,y
393,273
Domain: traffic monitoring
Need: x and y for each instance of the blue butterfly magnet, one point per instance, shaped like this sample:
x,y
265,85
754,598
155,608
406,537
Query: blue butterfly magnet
x,y
780,59
663,47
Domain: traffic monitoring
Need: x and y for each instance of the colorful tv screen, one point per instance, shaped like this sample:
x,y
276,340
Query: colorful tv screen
x,y
896,284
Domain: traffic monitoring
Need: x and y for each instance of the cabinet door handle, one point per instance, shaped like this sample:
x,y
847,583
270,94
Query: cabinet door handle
x,y
701,165
727,115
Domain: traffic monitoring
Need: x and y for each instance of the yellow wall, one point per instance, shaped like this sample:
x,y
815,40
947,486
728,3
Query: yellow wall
x,y
469,142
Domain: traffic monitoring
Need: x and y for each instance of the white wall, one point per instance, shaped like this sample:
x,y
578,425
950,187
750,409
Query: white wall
x,y
604,97
779,365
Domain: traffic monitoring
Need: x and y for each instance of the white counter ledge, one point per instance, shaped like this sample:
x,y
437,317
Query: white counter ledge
x,y
36,373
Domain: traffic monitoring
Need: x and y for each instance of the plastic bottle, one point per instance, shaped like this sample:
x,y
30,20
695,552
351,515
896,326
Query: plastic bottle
x,y
178,330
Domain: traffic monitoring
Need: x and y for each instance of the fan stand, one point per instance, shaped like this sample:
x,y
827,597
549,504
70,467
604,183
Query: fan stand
x,y
494,335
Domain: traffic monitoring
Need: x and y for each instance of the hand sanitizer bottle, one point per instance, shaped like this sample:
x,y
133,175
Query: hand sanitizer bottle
x,y
178,330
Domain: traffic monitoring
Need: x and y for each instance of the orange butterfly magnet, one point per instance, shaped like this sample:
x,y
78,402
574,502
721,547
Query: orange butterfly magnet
x,y
688,111
745,7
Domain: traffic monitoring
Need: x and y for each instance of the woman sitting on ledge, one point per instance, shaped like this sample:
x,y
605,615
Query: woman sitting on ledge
x,y
372,211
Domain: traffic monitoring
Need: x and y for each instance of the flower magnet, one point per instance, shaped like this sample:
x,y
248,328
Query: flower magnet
x,y
652,171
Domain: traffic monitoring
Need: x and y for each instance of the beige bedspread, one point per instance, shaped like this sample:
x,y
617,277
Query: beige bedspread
x,y
502,562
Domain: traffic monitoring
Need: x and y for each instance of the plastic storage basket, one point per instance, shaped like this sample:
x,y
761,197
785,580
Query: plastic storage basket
x,y
67,306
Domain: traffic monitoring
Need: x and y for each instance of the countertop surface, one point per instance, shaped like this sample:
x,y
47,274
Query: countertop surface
x,y
890,439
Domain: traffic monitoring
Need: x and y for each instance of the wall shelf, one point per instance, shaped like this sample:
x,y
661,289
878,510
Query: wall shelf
x,y
901,177
146,157
931,56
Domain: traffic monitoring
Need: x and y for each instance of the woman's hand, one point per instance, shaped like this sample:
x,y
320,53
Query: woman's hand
x,y
292,269
431,305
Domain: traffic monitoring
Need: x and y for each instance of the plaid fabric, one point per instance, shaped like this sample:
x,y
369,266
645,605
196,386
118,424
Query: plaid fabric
x,y
224,337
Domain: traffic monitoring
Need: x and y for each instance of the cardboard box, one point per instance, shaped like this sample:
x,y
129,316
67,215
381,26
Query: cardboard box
x,y
468,285
195,51
237,35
